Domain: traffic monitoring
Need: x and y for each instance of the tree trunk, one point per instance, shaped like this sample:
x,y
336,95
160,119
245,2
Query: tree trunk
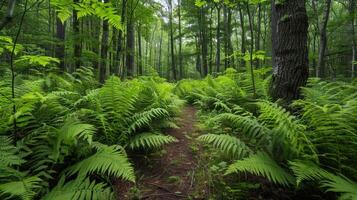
x,y
203,42
211,43
104,51
140,66
180,40
323,41
120,40
258,36
173,62
354,45
290,50
218,51
160,53
242,26
60,47
251,49
130,48
77,39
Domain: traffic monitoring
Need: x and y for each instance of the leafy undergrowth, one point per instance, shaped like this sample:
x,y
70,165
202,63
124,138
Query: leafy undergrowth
x,y
302,150
69,137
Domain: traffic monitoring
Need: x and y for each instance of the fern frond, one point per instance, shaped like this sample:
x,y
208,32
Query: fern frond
x,y
262,165
24,189
108,160
311,172
150,141
145,118
9,153
80,190
230,145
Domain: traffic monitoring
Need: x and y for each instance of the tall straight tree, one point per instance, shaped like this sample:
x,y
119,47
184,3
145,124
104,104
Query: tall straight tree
x,y
290,50
130,41
352,10
77,48
180,39
104,50
218,38
323,40
173,62
120,42
60,47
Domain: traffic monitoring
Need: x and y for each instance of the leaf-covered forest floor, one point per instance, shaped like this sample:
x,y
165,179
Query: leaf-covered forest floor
x,y
170,173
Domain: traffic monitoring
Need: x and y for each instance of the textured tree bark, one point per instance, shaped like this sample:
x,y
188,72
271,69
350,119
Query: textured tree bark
x,y
60,47
323,41
77,40
104,51
290,50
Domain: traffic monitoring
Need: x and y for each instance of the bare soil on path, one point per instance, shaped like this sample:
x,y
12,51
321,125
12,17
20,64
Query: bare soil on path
x,y
169,175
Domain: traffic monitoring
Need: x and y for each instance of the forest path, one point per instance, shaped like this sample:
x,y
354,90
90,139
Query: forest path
x,y
169,175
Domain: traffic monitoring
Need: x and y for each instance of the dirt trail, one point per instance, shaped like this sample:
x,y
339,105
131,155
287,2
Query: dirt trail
x,y
170,176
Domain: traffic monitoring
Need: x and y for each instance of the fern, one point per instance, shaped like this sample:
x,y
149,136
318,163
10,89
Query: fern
x,y
24,189
8,153
310,172
80,190
230,145
108,160
145,118
262,165
150,141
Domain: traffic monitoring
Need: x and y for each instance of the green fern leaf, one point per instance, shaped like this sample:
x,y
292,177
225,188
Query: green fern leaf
x,y
262,165
150,141
109,160
230,145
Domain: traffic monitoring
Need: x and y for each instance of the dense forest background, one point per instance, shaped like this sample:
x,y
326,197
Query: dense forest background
x,y
178,99
177,39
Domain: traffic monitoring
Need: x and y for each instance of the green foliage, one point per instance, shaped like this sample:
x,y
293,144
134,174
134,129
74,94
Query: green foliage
x,y
261,164
228,144
320,136
150,141
108,160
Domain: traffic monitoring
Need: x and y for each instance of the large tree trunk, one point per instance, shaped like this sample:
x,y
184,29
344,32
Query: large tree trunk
x,y
290,50
104,51
60,47
323,41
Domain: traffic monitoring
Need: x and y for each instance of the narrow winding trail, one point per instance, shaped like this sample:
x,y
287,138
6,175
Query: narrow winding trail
x,y
169,174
